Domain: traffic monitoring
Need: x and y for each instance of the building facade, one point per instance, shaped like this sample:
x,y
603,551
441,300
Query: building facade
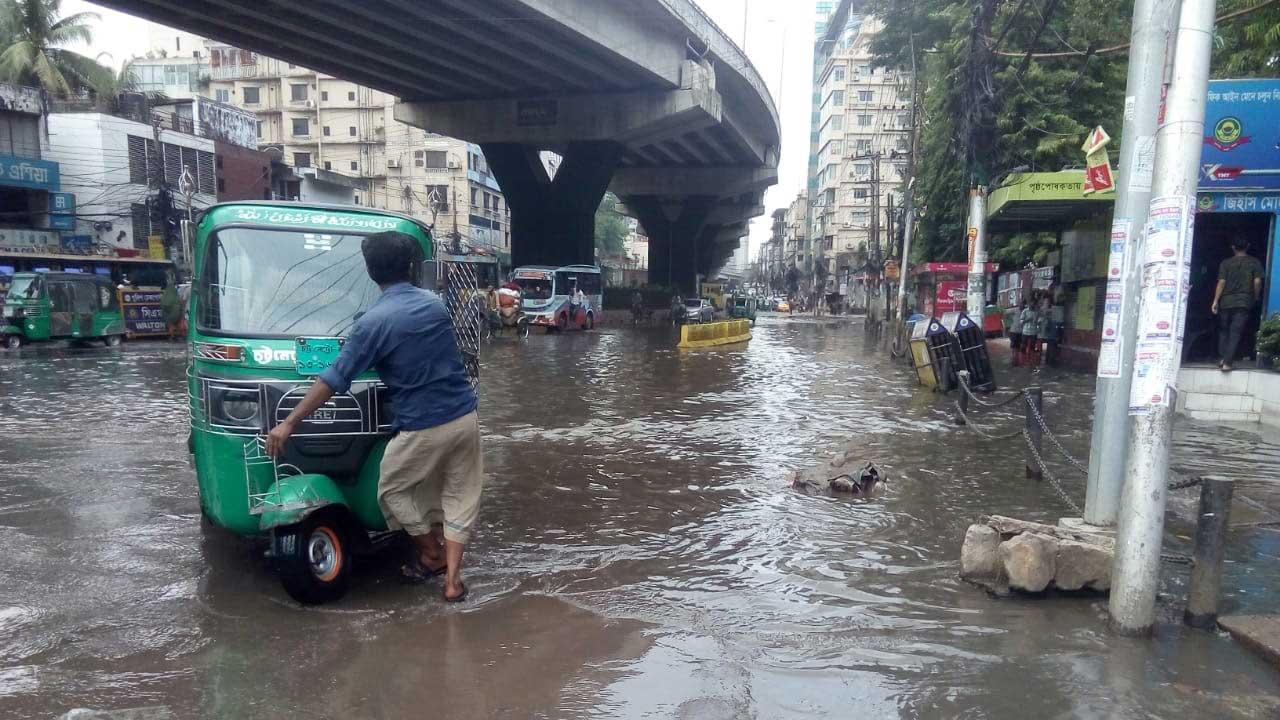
x,y
313,120
862,139
32,208
114,165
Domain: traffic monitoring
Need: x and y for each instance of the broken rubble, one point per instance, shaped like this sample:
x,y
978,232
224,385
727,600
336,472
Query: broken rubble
x,y
1030,561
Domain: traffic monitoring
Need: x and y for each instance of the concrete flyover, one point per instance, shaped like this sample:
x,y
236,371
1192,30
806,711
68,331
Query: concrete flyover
x,y
647,97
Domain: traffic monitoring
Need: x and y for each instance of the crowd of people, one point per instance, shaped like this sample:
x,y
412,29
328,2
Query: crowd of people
x,y
1035,329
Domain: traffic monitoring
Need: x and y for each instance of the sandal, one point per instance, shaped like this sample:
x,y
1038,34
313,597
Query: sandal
x,y
457,598
415,573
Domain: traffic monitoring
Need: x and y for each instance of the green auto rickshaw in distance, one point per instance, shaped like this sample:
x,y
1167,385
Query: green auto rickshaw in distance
x,y
742,307
276,289
44,306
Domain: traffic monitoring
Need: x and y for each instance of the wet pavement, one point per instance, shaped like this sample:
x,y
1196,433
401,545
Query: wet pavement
x,y
638,555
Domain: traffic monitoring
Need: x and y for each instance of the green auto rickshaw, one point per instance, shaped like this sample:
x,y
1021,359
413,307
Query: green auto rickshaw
x,y
743,307
277,287
60,306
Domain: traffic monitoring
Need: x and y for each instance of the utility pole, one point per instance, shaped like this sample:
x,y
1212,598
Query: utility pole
x,y
1165,255
908,205
876,262
1153,22
977,301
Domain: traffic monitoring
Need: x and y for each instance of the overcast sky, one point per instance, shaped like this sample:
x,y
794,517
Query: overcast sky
x,y
779,41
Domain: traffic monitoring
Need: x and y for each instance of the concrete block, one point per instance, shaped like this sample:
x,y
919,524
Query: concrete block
x,y
1082,565
980,554
1030,561
1229,403
1197,401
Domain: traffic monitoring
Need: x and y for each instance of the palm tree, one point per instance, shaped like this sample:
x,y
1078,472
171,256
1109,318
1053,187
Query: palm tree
x,y
33,39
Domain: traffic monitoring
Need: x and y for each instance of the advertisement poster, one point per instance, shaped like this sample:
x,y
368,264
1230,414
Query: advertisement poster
x,y
1109,352
1240,151
952,296
1164,290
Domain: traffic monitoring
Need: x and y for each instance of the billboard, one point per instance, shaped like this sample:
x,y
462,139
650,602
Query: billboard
x,y
1241,136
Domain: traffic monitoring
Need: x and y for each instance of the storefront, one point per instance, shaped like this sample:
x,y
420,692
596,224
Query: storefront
x,y
1239,198
944,287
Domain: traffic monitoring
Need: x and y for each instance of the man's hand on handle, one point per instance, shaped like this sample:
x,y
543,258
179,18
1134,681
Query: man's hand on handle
x,y
317,396
277,437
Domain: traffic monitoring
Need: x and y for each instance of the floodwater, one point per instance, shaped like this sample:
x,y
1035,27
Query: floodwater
x,y
638,555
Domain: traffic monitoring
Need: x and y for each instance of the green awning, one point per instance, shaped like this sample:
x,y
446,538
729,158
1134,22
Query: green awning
x,y
1043,202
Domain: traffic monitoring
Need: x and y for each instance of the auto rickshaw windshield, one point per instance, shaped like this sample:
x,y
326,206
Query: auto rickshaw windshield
x,y
25,288
271,282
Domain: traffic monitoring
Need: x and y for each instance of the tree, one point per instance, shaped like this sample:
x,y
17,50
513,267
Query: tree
x,y
611,228
989,104
1247,45
34,40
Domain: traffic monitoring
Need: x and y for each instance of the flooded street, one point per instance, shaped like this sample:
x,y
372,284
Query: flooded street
x,y
638,555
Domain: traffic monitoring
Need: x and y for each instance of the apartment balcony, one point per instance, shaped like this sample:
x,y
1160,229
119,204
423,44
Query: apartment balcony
x,y
235,72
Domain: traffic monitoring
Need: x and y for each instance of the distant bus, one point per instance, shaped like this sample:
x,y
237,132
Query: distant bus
x,y
547,294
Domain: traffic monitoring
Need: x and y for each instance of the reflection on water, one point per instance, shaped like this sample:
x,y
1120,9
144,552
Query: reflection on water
x,y
639,554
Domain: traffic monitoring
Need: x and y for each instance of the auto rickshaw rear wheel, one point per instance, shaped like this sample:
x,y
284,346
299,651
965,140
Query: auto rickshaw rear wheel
x,y
522,327
113,340
13,342
315,560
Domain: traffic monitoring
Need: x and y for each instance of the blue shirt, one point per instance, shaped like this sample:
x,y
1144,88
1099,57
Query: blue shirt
x,y
407,337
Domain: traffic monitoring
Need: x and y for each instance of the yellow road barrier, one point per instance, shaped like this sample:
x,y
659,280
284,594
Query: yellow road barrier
x,y
716,333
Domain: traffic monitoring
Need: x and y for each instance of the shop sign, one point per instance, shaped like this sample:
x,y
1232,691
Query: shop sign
x,y
1240,151
29,173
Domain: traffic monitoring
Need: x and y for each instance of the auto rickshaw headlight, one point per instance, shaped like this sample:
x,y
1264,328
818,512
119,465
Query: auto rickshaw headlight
x,y
236,406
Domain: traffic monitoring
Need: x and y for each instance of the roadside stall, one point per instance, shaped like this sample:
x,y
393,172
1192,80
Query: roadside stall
x,y
944,287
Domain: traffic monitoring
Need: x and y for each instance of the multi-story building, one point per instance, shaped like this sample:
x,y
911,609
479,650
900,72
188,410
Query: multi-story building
x,y
30,181
318,121
796,249
113,165
863,121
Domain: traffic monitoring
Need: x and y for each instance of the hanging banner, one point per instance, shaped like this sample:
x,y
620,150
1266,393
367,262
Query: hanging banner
x,y
1097,176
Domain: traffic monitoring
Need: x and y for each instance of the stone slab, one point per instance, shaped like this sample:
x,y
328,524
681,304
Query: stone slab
x,y
1259,633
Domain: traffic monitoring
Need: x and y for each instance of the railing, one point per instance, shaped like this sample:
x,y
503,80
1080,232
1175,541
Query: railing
x,y
233,72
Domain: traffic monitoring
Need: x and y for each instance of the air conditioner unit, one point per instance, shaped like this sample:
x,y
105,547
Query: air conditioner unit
x,y
393,162
453,164
311,103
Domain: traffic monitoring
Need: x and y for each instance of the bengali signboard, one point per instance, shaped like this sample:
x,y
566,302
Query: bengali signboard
x,y
29,173
143,313
1241,151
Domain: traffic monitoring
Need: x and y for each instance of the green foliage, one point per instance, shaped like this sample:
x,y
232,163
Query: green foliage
x,y
611,228
1036,112
1249,45
34,40
1269,338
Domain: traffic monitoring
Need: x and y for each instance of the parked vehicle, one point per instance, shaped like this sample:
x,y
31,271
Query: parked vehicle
x,y
548,295
783,306
277,288
698,310
60,306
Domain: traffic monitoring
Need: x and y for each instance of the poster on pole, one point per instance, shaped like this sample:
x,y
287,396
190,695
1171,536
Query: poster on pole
x,y
1110,352
1164,295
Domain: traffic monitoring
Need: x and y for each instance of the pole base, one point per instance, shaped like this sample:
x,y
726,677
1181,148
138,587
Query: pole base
x,y
1076,524
1201,621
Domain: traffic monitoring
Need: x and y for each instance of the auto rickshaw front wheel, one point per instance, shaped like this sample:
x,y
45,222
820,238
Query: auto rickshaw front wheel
x,y
314,560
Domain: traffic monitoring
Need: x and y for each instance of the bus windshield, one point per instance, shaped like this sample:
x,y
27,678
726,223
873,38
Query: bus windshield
x,y
534,289
264,282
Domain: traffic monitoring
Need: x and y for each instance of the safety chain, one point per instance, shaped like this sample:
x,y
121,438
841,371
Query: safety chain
x,y
1054,438
989,436
1044,467
1186,483
968,391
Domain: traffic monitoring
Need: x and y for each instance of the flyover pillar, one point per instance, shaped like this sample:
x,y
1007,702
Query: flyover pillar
x,y
553,218
674,232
